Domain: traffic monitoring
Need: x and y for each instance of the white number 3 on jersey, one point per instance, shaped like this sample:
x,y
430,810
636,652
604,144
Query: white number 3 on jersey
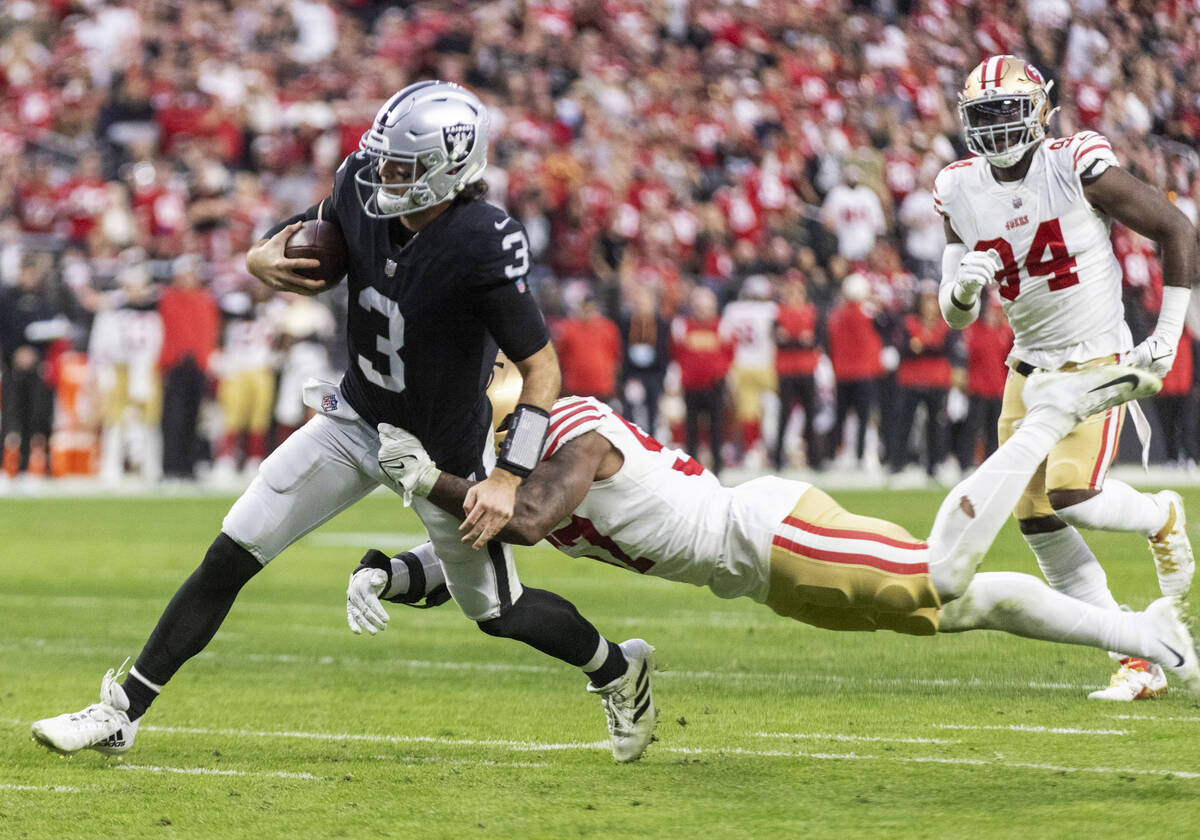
x,y
517,241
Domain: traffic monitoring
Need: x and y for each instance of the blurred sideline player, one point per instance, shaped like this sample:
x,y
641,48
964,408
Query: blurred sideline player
x,y
606,490
1032,213
246,390
749,323
124,345
437,279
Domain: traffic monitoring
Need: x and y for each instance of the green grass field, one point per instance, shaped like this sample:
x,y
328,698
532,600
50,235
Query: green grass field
x,y
289,726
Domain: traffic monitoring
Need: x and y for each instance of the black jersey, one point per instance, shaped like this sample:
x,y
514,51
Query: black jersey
x,y
426,313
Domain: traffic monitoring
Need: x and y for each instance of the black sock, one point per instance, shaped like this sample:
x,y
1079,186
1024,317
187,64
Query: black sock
x,y
549,623
192,617
614,666
140,696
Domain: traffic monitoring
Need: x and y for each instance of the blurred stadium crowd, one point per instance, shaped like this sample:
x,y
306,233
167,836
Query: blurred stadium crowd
x,y
728,205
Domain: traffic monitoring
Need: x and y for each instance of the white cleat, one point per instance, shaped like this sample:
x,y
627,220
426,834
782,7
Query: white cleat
x,y
1173,637
1173,560
104,727
1136,679
629,703
1087,392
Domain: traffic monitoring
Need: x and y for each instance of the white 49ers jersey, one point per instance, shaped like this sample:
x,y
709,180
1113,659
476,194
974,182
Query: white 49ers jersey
x,y
750,325
1061,283
663,514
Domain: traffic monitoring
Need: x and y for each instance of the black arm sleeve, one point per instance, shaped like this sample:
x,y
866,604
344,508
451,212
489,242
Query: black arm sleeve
x,y
514,320
327,212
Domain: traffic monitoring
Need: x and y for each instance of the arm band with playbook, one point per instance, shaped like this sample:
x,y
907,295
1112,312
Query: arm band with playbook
x,y
522,447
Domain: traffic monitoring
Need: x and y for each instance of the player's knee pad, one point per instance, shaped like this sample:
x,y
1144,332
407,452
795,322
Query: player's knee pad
x,y
526,619
226,566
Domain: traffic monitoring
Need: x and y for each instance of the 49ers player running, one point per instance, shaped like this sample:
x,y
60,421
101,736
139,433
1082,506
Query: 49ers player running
x,y
604,489
1032,213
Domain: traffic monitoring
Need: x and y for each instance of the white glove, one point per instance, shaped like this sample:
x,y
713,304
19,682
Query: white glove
x,y
976,270
363,610
1155,354
406,462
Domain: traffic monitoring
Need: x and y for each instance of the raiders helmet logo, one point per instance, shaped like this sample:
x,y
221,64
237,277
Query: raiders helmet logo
x,y
460,140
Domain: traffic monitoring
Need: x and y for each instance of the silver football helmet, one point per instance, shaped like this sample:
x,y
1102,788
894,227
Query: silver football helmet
x,y
437,135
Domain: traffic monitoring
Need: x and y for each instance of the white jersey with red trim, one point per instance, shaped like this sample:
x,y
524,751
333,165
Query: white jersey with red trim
x,y
1061,283
250,341
750,325
663,514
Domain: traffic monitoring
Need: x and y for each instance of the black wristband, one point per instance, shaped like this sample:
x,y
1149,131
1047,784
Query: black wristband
x,y
522,447
959,305
375,559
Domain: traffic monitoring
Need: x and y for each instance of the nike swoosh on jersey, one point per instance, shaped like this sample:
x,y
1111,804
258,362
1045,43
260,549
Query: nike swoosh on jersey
x,y
500,224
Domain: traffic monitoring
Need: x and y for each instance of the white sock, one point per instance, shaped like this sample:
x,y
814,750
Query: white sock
x,y
1070,566
1024,606
598,658
1118,507
155,687
974,511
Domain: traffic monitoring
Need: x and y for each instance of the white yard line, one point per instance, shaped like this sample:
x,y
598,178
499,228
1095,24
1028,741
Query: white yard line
x,y
383,540
41,788
212,771
530,746
970,762
47,646
1168,719
1015,727
533,746
838,736
431,759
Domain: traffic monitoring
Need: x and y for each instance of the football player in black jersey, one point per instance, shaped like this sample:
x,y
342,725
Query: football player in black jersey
x,y
437,280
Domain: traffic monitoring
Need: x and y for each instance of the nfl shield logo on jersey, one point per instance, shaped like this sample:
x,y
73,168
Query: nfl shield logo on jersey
x,y
459,139
329,403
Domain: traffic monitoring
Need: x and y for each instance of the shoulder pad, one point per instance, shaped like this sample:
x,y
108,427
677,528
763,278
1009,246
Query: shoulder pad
x,y
1085,153
945,182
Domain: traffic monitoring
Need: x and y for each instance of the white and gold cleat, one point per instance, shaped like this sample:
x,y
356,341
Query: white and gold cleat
x,y
1136,679
1172,552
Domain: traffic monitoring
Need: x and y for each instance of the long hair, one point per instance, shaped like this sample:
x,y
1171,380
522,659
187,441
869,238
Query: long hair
x,y
472,192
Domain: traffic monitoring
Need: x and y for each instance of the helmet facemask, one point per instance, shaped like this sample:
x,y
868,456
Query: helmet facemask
x,y
1002,128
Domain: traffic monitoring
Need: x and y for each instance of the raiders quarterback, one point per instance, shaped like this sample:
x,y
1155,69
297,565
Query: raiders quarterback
x,y
606,490
436,280
1032,214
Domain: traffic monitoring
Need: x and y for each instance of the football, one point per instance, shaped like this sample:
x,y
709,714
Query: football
x,y
320,240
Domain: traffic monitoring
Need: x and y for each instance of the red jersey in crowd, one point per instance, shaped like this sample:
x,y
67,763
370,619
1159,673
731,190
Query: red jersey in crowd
x,y
1179,378
854,344
796,334
926,364
191,322
702,355
589,352
987,348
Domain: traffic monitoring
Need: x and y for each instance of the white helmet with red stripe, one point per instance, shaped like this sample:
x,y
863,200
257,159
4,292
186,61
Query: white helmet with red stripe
x,y
1005,109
